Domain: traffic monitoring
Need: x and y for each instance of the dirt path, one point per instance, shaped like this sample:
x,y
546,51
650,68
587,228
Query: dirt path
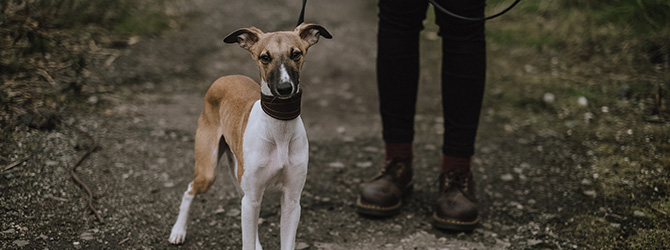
x,y
146,137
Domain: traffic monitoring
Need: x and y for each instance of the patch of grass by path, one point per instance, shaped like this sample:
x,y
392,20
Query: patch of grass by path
x,y
598,78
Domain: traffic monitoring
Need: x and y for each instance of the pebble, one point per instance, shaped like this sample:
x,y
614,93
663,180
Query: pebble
x,y
638,213
233,212
86,236
302,245
92,99
336,164
364,164
507,177
582,101
219,210
549,98
590,193
21,243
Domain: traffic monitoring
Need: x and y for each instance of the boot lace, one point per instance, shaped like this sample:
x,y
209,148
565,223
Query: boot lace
x,y
454,178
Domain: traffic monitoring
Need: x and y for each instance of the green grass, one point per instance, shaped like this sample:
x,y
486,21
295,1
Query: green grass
x,y
126,17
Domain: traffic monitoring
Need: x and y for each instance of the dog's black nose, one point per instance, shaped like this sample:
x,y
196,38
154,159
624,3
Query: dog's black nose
x,y
284,89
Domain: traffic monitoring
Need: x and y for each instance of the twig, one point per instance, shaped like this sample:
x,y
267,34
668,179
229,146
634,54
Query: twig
x,y
124,240
16,163
658,210
73,172
58,198
46,76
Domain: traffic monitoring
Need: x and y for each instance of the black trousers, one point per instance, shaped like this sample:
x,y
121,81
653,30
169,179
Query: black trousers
x,y
463,70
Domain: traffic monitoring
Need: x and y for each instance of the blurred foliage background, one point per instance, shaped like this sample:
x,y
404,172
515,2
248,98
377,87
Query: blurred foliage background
x,y
594,72
46,47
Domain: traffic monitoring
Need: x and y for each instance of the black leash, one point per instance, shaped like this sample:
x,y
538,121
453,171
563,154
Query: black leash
x,y
439,7
301,19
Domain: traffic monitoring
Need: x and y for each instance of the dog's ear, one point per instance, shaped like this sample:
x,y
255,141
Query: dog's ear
x,y
311,32
246,37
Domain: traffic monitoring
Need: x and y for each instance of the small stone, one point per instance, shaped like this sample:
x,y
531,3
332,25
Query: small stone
x,y
590,193
638,213
582,101
336,164
548,98
219,210
21,243
371,149
92,99
533,242
605,109
86,236
233,212
507,177
133,40
364,164
301,245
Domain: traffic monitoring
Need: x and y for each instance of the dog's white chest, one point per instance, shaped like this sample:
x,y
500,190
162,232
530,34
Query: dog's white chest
x,y
270,145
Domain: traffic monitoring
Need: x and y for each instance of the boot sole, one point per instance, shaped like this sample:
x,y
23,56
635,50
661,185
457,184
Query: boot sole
x,y
379,211
454,225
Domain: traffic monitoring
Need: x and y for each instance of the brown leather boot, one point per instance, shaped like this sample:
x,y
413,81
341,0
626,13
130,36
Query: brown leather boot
x,y
382,196
456,205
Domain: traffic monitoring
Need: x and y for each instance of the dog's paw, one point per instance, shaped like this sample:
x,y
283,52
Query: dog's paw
x,y
177,236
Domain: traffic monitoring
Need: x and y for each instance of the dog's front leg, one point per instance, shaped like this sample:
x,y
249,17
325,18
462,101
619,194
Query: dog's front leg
x,y
290,216
294,181
251,208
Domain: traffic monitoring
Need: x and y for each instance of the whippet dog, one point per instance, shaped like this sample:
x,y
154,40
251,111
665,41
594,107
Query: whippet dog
x,y
258,128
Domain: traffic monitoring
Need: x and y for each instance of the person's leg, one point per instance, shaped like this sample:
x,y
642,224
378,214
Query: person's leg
x,y
463,75
400,22
463,80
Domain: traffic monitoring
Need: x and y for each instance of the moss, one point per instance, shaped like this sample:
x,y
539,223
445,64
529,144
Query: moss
x,y
142,24
594,232
649,239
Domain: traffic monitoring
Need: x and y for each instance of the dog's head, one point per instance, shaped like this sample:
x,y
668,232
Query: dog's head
x,y
279,55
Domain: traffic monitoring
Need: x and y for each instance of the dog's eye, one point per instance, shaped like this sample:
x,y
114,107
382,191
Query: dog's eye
x,y
265,58
295,55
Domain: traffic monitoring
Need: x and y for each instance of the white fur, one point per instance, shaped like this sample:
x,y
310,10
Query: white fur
x,y
178,233
284,74
275,157
276,153
265,87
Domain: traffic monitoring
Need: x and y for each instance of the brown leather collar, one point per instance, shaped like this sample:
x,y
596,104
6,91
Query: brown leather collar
x,y
282,109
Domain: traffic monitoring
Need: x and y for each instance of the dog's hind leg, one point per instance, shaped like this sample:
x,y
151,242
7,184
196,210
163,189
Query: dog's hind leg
x,y
206,156
178,234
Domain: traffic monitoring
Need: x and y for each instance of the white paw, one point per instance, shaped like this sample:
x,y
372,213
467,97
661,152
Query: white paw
x,y
177,236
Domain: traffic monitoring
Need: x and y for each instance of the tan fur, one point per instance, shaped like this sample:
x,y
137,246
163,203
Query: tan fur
x,y
278,44
230,98
225,113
